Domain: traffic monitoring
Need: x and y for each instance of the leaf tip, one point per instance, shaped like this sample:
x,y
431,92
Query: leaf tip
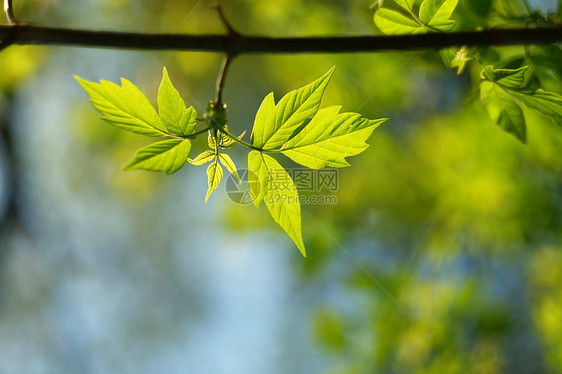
x,y
330,72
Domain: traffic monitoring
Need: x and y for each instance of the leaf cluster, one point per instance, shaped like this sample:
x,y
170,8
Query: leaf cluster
x,y
413,17
506,87
294,126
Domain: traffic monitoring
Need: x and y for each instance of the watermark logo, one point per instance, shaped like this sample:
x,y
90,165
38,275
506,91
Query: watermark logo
x,y
239,193
313,187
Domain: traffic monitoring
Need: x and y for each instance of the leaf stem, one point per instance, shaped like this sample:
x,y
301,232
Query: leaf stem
x,y
192,136
248,145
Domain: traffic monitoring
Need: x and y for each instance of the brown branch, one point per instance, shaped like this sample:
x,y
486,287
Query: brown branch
x,y
233,35
34,35
229,28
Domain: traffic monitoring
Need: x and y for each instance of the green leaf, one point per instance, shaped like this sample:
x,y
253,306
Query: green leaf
x,y
229,142
275,124
211,141
264,122
257,179
442,24
503,110
391,22
229,165
202,158
512,80
280,194
548,103
406,4
509,78
177,119
168,156
329,138
214,172
437,12
225,141
457,57
545,62
125,107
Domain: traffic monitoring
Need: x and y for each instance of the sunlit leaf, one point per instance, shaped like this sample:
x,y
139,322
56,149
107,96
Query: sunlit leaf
x,y
125,107
211,141
203,158
177,119
503,109
406,4
329,138
279,192
391,22
457,57
167,156
229,164
228,142
257,178
275,124
437,12
214,172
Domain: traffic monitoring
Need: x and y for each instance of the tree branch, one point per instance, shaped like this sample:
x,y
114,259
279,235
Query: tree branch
x,y
34,35
233,35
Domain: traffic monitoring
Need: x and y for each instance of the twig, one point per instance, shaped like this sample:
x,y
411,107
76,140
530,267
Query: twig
x,y
222,77
9,10
230,54
11,38
35,35
231,31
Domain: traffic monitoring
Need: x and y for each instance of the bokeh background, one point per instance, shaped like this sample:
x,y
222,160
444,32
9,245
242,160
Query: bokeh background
x,y
442,255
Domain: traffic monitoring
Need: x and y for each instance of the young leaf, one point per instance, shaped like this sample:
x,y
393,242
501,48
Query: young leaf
x,y
264,122
214,172
125,107
435,9
391,22
203,158
274,125
177,119
211,141
406,4
548,103
457,57
509,78
258,178
511,81
167,156
329,138
280,195
503,109
436,13
228,142
229,165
